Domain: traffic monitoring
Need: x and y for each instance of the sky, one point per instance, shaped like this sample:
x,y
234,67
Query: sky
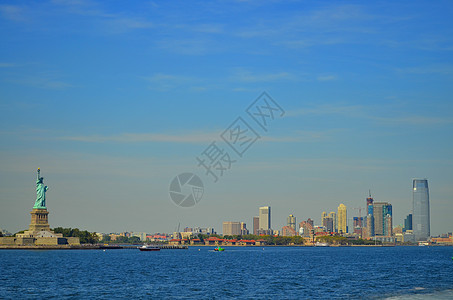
x,y
113,99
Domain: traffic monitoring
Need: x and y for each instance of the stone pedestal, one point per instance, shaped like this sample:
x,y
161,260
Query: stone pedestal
x,y
39,227
39,220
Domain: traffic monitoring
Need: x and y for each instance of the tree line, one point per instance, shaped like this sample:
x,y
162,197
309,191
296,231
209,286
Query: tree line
x,y
85,236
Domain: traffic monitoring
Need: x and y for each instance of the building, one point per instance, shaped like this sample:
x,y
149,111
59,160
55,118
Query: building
x,y
288,231
342,219
231,228
291,222
407,223
140,235
244,229
328,224
420,210
323,216
369,226
256,225
333,215
306,228
382,213
358,226
265,218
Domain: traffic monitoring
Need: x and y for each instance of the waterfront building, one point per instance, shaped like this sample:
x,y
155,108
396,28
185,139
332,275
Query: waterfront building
x,y
291,222
328,224
244,229
265,232
382,213
369,208
288,231
370,226
333,215
407,223
265,218
342,219
140,235
256,225
420,210
323,216
358,226
231,228
306,228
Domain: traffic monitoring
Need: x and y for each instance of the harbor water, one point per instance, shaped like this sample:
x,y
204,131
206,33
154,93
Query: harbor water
x,y
237,272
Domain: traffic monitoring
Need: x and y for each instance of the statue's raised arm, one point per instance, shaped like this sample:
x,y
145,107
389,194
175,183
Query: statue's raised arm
x,y
40,202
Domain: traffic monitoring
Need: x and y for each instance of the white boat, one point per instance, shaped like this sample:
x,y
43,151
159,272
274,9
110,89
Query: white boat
x,y
148,248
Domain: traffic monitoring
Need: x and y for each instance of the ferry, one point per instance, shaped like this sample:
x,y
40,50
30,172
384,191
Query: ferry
x,y
148,248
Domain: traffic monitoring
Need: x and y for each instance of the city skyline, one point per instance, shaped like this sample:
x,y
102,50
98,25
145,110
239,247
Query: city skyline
x,y
114,101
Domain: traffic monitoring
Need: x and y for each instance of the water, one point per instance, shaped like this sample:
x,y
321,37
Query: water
x,y
238,272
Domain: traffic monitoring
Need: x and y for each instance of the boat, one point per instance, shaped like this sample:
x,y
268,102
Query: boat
x,y
148,248
319,244
219,249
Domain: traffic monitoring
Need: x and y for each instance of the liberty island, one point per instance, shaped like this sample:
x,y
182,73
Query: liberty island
x,y
39,234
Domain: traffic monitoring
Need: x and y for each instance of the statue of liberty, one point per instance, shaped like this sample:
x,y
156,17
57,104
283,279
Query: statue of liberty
x,y
40,192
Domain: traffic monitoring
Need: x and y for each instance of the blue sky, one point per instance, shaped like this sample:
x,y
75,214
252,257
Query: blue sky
x,y
114,99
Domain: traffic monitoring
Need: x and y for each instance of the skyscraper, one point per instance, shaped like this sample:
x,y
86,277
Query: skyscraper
x,y
231,228
256,225
323,215
382,212
333,215
420,209
407,223
370,226
265,218
291,221
342,219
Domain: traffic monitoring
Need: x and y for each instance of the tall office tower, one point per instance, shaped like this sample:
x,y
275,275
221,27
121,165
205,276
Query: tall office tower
x,y
388,228
265,218
244,229
256,225
291,221
370,226
231,228
333,215
380,211
310,221
420,210
407,223
358,226
323,216
328,223
342,219
369,200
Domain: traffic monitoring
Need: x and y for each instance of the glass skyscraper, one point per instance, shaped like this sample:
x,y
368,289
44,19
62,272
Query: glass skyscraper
x,y
420,209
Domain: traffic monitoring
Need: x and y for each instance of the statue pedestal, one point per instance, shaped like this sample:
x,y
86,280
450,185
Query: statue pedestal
x,y
39,220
